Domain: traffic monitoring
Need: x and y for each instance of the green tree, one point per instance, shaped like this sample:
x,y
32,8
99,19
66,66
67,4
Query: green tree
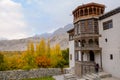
x,y
65,55
60,64
2,63
1,58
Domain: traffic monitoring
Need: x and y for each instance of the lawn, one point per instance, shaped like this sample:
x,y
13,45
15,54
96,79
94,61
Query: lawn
x,y
43,78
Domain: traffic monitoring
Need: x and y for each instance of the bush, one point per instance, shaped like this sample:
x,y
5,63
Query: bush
x,y
27,67
3,67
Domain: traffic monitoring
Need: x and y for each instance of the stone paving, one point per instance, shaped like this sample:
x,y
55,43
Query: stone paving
x,y
112,78
61,77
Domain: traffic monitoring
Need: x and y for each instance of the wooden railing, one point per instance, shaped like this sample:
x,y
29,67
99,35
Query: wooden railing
x,y
84,67
88,47
87,67
86,35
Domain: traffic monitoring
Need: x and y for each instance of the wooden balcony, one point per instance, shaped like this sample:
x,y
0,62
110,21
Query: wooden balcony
x,y
86,35
88,47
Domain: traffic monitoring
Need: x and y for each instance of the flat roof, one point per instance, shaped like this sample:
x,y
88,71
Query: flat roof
x,y
71,30
110,13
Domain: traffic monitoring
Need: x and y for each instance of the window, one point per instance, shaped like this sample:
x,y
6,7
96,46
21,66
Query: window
x,y
75,29
96,42
90,42
82,26
78,28
96,26
90,26
106,40
83,43
107,25
111,56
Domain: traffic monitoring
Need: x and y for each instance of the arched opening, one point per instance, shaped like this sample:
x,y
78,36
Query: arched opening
x,y
83,43
94,10
92,56
79,42
90,11
86,12
96,41
101,11
81,13
90,42
98,11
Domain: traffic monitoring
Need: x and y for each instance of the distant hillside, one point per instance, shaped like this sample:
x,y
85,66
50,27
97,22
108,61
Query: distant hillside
x,y
59,36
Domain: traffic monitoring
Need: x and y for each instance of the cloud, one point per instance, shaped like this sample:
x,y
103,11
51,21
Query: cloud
x,y
12,22
49,15
58,13
52,14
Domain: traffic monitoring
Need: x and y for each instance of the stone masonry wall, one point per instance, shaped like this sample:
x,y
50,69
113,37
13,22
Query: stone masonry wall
x,y
21,74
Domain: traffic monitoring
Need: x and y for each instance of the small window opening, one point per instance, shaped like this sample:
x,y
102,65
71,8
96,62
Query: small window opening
x,y
106,40
111,56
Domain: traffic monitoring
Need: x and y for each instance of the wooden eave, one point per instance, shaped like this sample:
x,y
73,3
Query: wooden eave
x,y
87,5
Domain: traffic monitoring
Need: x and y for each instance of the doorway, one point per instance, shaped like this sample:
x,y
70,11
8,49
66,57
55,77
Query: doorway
x,y
92,56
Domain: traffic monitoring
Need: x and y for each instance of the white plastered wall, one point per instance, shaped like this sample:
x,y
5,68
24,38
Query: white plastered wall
x,y
71,52
112,46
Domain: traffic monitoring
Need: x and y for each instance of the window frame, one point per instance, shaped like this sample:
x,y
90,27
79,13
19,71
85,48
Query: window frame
x,y
107,24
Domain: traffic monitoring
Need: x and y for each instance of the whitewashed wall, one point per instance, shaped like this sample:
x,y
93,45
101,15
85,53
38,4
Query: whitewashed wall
x,y
71,52
112,46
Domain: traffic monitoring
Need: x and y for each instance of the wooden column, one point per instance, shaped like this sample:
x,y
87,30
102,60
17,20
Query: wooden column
x,y
102,11
92,10
81,56
79,12
83,11
88,10
75,15
96,11
99,10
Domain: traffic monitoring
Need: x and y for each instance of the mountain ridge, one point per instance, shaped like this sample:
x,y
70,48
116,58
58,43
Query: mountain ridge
x,y
58,36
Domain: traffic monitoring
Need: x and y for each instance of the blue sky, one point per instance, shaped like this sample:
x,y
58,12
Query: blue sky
x,y
30,17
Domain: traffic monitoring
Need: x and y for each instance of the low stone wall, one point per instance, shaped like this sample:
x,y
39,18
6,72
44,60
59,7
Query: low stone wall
x,y
21,74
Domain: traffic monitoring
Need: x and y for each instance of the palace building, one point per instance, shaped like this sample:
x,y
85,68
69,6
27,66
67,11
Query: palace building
x,y
95,38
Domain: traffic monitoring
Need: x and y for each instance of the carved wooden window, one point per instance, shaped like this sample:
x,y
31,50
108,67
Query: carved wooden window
x,y
96,26
90,26
75,29
82,26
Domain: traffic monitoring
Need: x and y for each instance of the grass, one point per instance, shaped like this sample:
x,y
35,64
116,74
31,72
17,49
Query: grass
x,y
43,78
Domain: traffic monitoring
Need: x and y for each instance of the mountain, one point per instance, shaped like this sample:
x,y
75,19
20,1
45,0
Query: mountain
x,y
58,36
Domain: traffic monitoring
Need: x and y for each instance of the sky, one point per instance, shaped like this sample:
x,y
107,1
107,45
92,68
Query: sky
x,y
25,18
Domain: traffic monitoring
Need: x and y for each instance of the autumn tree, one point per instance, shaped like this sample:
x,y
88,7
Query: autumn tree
x,y
29,56
48,49
43,61
55,55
